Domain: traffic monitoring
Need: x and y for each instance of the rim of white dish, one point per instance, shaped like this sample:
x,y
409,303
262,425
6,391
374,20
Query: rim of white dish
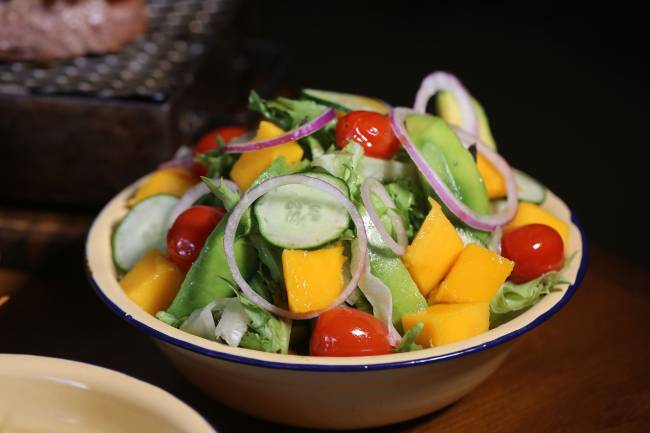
x,y
109,382
103,277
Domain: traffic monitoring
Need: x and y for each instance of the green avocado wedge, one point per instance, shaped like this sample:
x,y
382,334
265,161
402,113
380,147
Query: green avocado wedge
x,y
447,156
406,295
447,107
209,277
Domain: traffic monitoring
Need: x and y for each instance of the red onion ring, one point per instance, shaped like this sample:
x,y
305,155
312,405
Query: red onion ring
x,y
457,207
193,194
249,198
370,186
499,163
308,128
441,80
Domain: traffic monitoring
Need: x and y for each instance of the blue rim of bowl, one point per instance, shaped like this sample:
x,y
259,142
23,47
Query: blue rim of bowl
x,y
361,367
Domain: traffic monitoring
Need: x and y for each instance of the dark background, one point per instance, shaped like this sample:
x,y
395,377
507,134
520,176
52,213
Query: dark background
x,y
564,85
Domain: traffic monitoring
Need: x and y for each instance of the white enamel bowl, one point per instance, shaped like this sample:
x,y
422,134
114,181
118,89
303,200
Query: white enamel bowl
x,y
40,394
332,393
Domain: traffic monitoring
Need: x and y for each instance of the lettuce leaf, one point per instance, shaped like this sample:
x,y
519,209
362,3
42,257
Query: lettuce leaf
x,y
513,299
408,343
216,161
344,164
265,331
279,167
284,112
239,322
290,113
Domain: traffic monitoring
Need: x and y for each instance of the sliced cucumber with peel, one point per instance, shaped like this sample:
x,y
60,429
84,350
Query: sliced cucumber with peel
x,y
346,101
142,229
302,217
529,189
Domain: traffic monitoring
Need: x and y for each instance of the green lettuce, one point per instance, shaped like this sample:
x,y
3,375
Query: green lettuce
x,y
408,343
513,299
216,161
279,167
284,112
290,113
265,331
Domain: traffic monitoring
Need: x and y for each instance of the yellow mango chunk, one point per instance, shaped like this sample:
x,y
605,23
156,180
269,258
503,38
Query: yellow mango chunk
x,y
252,164
494,182
433,250
475,277
448,323
173,181
153,282
528,213
313,278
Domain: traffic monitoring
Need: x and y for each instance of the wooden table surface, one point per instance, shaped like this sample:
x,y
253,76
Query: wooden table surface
x,y
585,370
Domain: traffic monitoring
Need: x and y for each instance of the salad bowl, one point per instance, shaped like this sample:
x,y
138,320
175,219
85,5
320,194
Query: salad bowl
x,y
328,392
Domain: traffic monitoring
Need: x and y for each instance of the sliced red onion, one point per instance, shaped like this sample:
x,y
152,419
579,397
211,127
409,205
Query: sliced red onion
x,y
308,128
195,193
249,198
457,207
373,186
378,295
440,80
499,163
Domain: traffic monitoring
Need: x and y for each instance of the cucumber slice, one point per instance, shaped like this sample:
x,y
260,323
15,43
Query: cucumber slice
x,y
384,170
529,189
346,101
142,229
302,217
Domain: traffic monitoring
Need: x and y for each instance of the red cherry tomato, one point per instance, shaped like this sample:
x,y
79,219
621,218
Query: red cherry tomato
x,y
535,249
345,331
371,130
209,142
188,233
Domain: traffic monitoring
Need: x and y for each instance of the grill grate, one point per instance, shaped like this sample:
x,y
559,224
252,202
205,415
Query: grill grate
x,y
151,68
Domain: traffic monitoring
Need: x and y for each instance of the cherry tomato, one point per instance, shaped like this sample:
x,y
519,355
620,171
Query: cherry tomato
x,y
188,233
535,249
345,331
209,142
371,130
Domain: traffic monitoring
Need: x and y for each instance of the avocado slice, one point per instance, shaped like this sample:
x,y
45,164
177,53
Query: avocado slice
x,y
209,277
447,156
406,295
447,107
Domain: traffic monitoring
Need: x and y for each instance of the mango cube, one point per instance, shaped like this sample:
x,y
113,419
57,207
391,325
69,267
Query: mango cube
x,y
475,277
448,323
528,213
173,181
153,282
433,250
313,278
494,182
252,164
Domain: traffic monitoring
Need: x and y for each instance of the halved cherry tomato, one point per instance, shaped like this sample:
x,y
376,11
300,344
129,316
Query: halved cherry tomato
x,y
209,142
371,130
345,331
187,235
535,249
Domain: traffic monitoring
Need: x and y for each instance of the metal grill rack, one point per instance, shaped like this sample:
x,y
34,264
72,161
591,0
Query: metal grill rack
x,y
151,68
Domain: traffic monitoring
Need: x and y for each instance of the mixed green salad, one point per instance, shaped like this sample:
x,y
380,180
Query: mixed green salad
x,y
342,226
